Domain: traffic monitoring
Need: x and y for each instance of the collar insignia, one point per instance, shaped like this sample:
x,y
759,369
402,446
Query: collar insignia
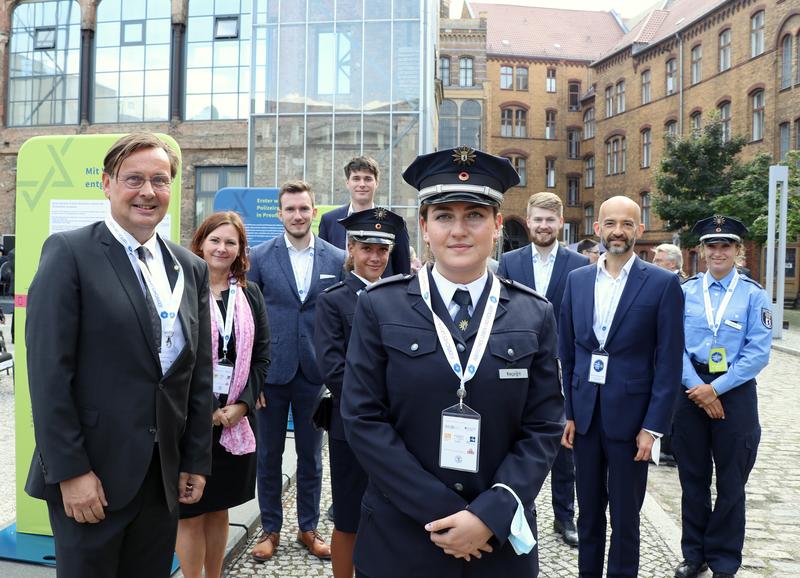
x,y
463,324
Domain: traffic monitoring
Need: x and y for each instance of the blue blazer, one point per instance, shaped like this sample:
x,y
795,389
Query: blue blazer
x,y
645,347
334,233
291,321
518,266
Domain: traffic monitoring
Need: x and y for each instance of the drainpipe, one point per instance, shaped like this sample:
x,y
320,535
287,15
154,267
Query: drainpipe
x,y
680,83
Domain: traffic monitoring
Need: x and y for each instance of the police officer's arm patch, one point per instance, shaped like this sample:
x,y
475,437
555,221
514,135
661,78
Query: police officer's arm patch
x,y
766,317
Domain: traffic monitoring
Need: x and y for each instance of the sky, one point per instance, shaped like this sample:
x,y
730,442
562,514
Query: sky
x,y
627,8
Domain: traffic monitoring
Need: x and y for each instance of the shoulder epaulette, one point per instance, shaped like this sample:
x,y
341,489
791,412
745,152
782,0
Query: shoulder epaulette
x,y
388,280
753,281
694,277
334,286
521,287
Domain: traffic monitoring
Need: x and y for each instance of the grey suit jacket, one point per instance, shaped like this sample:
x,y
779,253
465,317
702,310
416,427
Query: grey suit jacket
x,y
100,400
291,321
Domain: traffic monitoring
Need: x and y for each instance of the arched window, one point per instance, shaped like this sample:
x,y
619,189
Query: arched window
x,y
724,109
645,204
758,103
131,81
588,123
671,128
646,87
573,143
696,122
620,96
757,34
647,145
460,127
550,173
588,219
514,122
44,63
218,60
448,125
522,78
697,64
520,165
616,155
786,62
724,50
550,125
588,172
672,76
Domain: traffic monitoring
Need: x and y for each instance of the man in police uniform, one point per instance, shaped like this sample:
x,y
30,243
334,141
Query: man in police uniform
x,y
728,327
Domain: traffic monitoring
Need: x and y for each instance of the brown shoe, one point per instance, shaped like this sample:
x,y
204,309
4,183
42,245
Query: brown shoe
x,y
315,543
265,547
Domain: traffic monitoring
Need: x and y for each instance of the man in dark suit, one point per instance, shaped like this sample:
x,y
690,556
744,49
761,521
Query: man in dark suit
x,y
545,270
362,179
119,369
621,347
292,270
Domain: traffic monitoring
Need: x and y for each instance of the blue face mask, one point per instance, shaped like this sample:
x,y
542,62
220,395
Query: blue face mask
x,y
521,536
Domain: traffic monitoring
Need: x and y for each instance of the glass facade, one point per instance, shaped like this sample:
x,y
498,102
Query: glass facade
x,y
131,61
339,79
44,63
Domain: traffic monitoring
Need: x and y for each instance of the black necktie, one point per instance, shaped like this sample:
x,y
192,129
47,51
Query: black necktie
x,y
155,321
462,297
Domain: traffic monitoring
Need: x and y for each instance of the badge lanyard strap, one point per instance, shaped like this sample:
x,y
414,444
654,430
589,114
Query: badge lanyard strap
x,y
606,316
714,323
225,326
167,310
446,339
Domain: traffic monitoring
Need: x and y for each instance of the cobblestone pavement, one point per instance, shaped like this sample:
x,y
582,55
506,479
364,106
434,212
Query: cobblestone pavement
x,y
772,541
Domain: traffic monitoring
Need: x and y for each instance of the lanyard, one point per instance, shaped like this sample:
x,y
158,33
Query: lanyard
x,y
605,314
714,323
446,340
167,308
225,326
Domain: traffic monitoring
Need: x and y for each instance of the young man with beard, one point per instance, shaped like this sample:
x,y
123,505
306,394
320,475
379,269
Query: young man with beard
x,y
544,265
292,270
621,348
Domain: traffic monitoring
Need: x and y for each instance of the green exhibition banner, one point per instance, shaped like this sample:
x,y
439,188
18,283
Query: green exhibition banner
x,y
59,187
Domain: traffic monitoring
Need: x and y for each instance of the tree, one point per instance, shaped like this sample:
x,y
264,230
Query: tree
x,y
749,196
693,173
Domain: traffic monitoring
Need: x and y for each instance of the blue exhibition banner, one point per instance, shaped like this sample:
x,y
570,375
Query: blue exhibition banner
x,y
258,208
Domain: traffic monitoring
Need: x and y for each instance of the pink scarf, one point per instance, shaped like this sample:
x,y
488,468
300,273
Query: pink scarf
x,y
239,439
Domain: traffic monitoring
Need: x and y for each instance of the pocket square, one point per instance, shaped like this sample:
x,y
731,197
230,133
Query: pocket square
x,y
326,276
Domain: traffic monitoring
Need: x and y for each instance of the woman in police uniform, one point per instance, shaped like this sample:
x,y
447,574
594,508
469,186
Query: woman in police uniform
x,y
455,458
728,327
370,239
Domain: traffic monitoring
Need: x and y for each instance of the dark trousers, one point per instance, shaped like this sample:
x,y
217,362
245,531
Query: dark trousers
x,y
302,395
607,476
716,534
562,485
135,541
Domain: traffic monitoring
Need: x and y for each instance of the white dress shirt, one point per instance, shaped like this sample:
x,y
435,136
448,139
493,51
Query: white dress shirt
x,y
447,289
543,267
302,265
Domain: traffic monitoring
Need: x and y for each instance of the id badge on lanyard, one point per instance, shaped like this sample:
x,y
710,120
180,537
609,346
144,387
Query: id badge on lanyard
x,y
598,367
460,444
223,374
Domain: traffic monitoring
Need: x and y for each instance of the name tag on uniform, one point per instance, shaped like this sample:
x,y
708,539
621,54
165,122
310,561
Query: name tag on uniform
x,y
223,374
460,442
734,324
598,367
717,360
514,373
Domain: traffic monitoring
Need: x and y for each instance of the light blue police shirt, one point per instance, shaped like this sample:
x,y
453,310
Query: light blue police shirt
x,y
745,331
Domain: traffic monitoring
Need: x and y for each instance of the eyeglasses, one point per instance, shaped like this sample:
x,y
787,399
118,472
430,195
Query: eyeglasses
x,y
159,183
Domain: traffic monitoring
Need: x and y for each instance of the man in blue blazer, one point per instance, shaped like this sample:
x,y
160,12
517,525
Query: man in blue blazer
x,y
292,270
621,347
545,270
362,177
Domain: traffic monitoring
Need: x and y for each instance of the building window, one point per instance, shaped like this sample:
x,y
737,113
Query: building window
x,y
671,128
797,134
645,204
550,173
697,64
507,122
725,120
550,85
623,156
757,34
696,122
647,144
465,71
519,166
797,49
588,123
44,64
513,122
444,70
785,132
520,123
448,125
725,50
620,96
208,180
588,172
786,62
506,78
550,125
522,78
569,233
672,76
616,155
573,191
757,99
132,62
573,143
588,220
609,101
218,61
646,87
470,124
574,96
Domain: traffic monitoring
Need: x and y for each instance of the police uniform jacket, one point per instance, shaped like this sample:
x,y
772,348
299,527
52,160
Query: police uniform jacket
x,y
397,382
335,310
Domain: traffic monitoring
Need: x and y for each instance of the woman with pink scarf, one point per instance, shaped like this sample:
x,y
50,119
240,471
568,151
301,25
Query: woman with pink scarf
x,y
240,351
